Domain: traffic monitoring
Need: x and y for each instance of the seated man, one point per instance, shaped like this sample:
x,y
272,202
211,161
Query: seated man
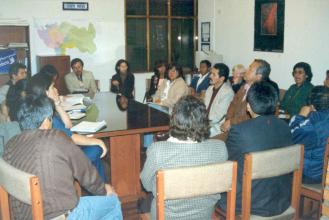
x,y
201,82
218,97
80,81
259,70
52,156
311,128
264,131
17,71
188,145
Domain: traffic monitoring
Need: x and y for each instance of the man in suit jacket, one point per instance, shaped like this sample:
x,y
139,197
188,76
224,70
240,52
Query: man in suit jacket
x,y
80,80
218,97
201,82
263,132
259,70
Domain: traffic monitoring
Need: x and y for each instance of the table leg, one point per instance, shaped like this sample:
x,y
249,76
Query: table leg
x,y
125,165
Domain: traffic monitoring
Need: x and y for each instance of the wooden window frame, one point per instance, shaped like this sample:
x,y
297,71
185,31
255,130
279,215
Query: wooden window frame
x,y
169,18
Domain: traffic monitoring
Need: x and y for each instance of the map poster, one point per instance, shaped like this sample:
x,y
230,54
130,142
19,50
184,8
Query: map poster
x,y
62,36
88,39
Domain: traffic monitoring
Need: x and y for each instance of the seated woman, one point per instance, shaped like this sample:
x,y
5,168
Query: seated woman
x,y
311,128
236,79
52,74
296,96
188,145
172,88
123,82
160,70
93,148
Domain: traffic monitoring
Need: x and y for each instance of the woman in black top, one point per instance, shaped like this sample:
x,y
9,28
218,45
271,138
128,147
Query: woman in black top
x,y
160,70
123,82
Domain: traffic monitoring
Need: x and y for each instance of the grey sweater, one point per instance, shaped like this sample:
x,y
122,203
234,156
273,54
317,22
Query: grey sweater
x,y
161,155
52,156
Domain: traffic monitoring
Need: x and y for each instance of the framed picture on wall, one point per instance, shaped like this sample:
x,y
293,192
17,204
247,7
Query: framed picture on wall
x,y
205,32
269,25
205,47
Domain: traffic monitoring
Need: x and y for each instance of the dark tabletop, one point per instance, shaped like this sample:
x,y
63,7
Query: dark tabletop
x,y
136,116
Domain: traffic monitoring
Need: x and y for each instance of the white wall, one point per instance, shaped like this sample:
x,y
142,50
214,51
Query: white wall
x,y
306,33
305,38
110,11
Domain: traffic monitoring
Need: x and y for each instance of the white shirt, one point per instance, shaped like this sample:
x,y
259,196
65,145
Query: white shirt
x,y
175,140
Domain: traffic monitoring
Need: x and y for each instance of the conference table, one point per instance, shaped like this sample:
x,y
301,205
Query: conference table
x,y
125,128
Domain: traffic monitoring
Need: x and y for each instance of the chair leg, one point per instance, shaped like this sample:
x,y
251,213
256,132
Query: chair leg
x,y
301,207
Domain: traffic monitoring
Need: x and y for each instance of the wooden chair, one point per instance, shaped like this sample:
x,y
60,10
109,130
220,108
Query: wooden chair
x,y
315,191
24,187
97,82
259,165
21,185
187,182
147,88
282,92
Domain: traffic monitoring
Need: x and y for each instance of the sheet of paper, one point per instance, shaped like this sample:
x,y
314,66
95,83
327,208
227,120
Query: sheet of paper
x,y
88,127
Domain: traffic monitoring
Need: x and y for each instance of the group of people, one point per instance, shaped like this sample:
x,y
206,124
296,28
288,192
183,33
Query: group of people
x,y
48,149
242,112
217,117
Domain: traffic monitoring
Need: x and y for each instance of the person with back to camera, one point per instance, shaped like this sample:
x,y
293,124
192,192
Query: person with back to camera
x,y
310,127
188,145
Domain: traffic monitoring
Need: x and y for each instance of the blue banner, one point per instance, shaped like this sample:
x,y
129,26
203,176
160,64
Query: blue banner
x,y
7,57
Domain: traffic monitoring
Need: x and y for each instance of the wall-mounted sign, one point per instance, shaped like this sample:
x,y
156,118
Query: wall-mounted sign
x,y
76,6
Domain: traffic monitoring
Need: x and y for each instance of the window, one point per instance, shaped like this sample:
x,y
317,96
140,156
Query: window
x,y
160,30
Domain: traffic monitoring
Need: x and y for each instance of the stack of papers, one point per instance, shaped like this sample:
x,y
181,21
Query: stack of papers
x,y
73,99
88,127
73,102
73,107
75,115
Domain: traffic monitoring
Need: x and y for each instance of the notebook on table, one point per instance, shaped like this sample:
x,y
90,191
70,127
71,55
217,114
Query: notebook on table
x,y
88,127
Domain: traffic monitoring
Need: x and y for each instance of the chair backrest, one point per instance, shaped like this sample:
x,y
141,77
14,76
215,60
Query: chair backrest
x,y
7,131
325,164
271,163
282,92
147,84
21,185
188,182
325,182
97,82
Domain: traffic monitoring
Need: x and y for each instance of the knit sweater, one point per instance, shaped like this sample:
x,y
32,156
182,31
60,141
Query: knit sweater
x,y
53,157
165,154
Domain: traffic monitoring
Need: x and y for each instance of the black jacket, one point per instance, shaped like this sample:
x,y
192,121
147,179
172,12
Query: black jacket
x,y
125,88
269,196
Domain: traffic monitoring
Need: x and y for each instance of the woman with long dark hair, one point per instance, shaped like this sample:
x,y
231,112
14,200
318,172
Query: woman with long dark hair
x,y
123,82
160,71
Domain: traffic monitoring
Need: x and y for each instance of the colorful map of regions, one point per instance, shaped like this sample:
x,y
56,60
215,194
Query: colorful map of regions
x,y
65,36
